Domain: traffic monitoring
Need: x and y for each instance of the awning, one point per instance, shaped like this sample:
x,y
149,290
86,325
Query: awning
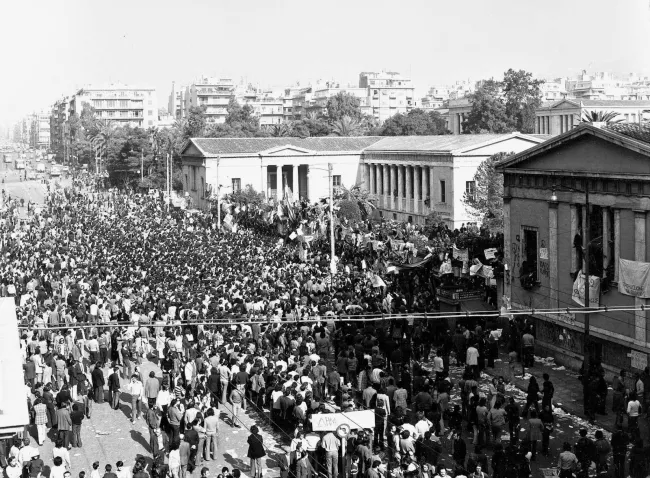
x,y
413,266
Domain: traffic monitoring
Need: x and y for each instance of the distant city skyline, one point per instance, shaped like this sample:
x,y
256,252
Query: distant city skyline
x,y
55,47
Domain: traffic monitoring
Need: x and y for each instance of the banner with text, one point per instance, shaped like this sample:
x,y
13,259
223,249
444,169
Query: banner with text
x,y
633,278
323,422
579,290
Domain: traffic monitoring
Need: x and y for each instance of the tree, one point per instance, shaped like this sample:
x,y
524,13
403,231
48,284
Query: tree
x,y
349,210
608,117
306,127
248,195
343,104
486,204
101,135
347,126
488,113
281,130
416,122
194,125
361,197
523,96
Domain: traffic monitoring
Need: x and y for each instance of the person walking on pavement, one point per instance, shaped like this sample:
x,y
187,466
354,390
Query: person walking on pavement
x,y
136,390
548,421
528,349
76,418
225,375
153,422
64,424
567,462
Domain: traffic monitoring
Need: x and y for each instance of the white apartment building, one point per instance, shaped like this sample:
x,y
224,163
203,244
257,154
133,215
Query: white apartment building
x,y
389,93
123,104
39,136
176,101
214,94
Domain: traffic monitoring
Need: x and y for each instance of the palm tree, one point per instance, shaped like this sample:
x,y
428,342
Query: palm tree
x,y
607,117
347,126
281,130
156,143
358,195
104,130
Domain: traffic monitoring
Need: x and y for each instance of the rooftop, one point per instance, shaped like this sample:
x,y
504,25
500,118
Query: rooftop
x,y
444,143
216,146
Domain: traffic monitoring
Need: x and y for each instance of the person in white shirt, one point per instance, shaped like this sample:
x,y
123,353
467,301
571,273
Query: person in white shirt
x,y
136,390
13,470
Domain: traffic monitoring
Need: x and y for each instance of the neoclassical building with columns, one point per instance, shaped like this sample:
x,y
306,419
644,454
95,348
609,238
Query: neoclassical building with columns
x,y
412,176
546,211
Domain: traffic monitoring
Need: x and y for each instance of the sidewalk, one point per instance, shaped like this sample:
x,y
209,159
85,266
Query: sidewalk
x,y
568,389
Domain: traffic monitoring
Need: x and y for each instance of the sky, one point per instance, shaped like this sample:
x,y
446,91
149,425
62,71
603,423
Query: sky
x,y
52,47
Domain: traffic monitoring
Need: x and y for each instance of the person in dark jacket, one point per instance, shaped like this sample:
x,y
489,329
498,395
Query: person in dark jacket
x,y
114,388
97,376
255,452
619,444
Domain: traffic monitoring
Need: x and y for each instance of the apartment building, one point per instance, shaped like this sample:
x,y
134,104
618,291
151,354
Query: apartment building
x,y
58,127
123,104
39,130
389,93
212,93
176,102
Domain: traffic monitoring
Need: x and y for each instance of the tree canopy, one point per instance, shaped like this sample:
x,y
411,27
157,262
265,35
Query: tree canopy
x,y
343,104
416,122
505,106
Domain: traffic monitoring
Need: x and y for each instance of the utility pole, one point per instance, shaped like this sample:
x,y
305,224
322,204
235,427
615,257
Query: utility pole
x,y
331,184
218,197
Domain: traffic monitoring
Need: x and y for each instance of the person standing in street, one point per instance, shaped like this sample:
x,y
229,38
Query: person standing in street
x,y
97,376
76,418
136,390
331,444
153,422
151,389
64,424
255,452
114,388
40,420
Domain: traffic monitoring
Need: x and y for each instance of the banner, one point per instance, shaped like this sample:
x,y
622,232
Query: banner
x,y
322,422
633,278
490,253
461,254
578,295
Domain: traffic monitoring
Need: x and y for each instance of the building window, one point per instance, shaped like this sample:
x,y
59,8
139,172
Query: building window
x,y
236,185
124,103
336,180
470,189
110,103
150,112
443,191
187,183
193,178
528,272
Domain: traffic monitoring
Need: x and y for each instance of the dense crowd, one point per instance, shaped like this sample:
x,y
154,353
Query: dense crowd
x,y
106,283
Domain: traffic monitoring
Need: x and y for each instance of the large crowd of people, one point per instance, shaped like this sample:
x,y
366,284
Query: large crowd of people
x,y
107,284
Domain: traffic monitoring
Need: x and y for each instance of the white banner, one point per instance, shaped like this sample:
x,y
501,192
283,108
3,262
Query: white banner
x,y
633,278
578,295
323,422
461,254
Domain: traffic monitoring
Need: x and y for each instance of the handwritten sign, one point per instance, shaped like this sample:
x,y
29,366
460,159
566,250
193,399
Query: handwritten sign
x,y
543,253
325,422
639,359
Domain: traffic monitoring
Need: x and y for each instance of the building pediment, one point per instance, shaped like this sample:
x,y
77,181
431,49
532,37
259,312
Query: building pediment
x,y
585,150
287,150
566,104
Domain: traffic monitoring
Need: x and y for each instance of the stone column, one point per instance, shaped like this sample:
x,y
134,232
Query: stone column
x,y
553,282
295,184
617,241
377,182
433,189
409,186
366,176
639,255
264,188
400,187
308,192
417,182
393,186
386,188
574,231
507,250
371,183
607,227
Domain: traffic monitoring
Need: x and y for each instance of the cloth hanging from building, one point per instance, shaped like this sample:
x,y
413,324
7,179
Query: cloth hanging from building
x,y
634,278
578,295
